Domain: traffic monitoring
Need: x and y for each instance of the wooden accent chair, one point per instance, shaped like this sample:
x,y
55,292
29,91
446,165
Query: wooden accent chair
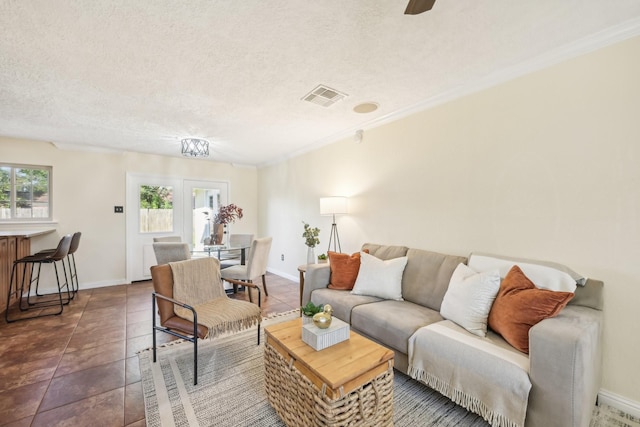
x,y
198,306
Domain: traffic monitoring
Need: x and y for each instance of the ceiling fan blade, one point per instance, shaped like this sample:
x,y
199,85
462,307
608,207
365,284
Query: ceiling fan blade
x,y
418,6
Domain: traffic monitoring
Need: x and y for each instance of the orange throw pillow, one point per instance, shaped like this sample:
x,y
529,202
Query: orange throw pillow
x,y
520,305
344,270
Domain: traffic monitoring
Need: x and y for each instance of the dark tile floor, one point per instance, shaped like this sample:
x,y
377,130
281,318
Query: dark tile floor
x,y
81,368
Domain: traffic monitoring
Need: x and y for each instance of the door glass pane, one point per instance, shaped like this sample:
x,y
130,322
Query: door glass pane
x,y
204,203
156,209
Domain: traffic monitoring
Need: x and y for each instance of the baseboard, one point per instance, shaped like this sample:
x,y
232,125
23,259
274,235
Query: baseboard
x,y
619,402
83,286
295,278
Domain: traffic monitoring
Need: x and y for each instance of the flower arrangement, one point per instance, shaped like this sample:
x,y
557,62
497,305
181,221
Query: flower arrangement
x,y
311,235
227,214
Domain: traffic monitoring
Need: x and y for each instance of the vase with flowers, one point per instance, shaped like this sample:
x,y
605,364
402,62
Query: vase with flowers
x,y
226,215
311,239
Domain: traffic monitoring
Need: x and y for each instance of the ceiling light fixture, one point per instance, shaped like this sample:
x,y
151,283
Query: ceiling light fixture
x,y
366,107
194,147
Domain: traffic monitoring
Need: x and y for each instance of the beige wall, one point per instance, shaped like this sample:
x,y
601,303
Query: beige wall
x,y
87,185
545,166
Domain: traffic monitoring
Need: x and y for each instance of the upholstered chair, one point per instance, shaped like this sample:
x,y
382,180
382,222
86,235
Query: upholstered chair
x,y
167,252
255,267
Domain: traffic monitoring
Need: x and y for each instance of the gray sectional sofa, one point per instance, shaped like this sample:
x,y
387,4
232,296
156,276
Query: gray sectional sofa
x,y
556,384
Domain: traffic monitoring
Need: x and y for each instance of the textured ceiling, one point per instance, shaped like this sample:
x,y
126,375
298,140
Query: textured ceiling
x,y
140,75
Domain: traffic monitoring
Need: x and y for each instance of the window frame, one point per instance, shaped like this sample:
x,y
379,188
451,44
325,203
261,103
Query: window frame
x,y
12,193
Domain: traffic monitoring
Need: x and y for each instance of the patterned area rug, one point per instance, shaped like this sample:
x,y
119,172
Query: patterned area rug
x,y
607,416
231,392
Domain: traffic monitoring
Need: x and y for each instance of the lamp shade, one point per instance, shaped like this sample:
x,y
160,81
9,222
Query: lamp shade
x,y
333,205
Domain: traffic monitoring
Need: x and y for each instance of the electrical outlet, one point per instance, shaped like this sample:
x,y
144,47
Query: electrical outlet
x,y
282,257
118,209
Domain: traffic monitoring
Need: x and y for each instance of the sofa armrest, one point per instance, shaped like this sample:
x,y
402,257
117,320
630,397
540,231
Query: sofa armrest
x,y
316,277
565,354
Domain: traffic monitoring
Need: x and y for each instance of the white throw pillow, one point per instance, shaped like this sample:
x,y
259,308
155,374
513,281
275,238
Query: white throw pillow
x,y
543,276
378,278
469,298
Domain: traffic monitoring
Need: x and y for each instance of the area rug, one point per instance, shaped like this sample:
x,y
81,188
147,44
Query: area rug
x,y
231,391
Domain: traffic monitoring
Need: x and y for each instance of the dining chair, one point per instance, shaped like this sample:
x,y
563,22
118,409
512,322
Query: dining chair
x,y
233,257
167,239
256,266
192,304
167,252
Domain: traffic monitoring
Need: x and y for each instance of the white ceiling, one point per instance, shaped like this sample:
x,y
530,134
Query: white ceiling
x,y
140,75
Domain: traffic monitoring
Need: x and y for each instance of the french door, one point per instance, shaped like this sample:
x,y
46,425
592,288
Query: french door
x,y
165,206
205,197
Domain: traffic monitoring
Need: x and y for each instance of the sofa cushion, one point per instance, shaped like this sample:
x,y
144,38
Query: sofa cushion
x,y
385,252
392,322
545,274
520,305
344,270
380,278
342,302
470,297
427,275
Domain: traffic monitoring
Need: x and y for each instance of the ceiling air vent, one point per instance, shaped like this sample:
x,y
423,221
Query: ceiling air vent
x,y
325,96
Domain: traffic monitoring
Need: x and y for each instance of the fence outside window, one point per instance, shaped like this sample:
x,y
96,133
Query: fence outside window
x,y
25,192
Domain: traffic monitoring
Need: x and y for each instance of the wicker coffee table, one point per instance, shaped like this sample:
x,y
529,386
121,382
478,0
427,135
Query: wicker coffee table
x,y
347,384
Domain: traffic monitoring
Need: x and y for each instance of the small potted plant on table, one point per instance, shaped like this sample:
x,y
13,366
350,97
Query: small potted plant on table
x,y
309,310
322,259
311,239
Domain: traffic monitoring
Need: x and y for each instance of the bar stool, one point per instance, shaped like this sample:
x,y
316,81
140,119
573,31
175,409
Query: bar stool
x,y
38,259
71,262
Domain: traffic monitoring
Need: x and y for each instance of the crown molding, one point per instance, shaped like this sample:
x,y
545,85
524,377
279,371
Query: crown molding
x,y
596,41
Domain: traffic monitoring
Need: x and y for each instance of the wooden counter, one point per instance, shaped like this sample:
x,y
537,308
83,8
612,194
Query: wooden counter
x,y
14,244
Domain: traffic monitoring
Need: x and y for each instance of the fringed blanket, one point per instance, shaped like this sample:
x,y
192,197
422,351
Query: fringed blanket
x,y
484,375
197,282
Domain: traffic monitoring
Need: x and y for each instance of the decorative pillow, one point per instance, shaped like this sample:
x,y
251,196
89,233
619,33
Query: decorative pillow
x,y
469,298
378,278
520,305
546,275
344,270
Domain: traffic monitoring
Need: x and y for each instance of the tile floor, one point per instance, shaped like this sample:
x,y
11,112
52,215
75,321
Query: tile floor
x,y
81,368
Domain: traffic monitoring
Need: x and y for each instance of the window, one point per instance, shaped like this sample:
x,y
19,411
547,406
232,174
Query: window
x,y
156,209
25,192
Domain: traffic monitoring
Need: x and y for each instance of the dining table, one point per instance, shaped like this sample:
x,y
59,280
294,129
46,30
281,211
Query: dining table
x,y
219,250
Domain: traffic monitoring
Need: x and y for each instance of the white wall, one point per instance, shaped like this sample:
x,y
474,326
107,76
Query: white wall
x,y
87,185
545,166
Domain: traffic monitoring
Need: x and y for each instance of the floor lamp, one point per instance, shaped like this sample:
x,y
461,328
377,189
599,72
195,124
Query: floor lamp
x,y
333,206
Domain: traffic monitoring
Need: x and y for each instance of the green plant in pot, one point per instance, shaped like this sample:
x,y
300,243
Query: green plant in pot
x,y
309,310
322,258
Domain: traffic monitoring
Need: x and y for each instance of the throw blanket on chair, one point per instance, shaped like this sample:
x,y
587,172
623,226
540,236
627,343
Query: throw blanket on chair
x,y
483,375
197,282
